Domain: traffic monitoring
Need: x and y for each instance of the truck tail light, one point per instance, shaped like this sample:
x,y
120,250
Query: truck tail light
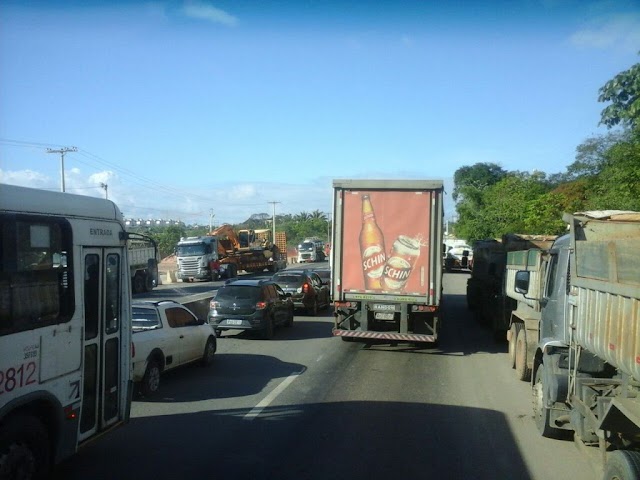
x,y
423,308
305,288
261,305
346,304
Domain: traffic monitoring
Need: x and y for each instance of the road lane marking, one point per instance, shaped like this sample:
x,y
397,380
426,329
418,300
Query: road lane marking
x,y
266,401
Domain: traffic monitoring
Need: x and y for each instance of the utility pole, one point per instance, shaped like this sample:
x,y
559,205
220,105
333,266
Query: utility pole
x,y
106,193
273,222
62,151
211,215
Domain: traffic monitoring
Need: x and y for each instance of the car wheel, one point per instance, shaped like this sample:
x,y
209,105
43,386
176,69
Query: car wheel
x,y
289,322
267,332
313,309
24,448
209,352
151,380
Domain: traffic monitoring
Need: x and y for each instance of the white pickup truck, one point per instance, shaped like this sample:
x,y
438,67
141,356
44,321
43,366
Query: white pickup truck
x,y
166,335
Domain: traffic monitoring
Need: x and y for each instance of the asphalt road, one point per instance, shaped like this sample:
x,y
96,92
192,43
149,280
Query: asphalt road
x,y
306,405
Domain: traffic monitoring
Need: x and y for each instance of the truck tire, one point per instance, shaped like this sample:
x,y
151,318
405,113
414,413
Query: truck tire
x,y
523,372
541,413
24,448
622,465
138,283
515,329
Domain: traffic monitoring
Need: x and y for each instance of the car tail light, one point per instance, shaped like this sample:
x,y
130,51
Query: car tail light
x,y
305,288
261,305
214,304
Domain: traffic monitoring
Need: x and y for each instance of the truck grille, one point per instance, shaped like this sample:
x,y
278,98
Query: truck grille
x,y
189,267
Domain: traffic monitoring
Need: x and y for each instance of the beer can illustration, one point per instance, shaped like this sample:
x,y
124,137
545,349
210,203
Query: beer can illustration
x,y
399,265
371,247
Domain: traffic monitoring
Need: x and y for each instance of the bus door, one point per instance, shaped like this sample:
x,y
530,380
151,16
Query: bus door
x,y
102,294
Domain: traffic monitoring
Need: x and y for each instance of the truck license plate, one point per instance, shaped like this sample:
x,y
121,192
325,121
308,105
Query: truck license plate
x,y
383,316
383,306
234,322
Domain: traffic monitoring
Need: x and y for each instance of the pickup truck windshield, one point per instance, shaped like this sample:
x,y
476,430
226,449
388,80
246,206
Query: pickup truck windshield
x,y
144,319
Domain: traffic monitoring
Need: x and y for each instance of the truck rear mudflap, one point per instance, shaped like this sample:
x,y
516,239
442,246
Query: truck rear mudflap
x,y
389,336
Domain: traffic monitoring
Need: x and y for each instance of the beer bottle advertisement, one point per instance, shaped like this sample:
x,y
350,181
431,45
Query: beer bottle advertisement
x,y
385,242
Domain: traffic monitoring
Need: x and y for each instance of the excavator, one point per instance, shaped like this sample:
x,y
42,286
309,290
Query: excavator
x,y
230,243
249,250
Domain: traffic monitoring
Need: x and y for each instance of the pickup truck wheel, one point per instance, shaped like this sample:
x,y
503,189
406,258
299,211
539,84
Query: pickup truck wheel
x,y
24,448
151,379
209,352
523,372
622,465
514,330
541,412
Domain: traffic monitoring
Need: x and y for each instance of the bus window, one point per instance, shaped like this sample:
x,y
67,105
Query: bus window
x,y
35,275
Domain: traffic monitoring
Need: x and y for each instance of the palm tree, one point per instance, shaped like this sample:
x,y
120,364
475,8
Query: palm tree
x,y
318,215
302,217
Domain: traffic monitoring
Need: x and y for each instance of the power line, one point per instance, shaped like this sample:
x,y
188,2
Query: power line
x,y
62,152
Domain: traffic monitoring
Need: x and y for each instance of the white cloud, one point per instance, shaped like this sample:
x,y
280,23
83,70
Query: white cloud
x,y
27,178
621,31
204,11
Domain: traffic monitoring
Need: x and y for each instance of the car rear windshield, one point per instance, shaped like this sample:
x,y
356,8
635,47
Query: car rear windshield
x,y
289,279
238,292
144,319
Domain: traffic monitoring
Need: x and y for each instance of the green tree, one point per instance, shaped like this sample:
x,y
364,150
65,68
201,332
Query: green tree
x,y
623,91
618,184
168,239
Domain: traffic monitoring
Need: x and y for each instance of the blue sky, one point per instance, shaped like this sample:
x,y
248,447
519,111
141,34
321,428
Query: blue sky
x,y
188,107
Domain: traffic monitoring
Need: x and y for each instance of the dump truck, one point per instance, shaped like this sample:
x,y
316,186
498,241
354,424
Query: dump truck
x,y
143,262
586,369
386,260
485,287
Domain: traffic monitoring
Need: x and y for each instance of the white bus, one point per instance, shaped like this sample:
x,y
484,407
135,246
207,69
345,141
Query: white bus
x,y
65,333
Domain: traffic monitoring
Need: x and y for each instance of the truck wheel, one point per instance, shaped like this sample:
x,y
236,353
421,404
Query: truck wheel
x,y
514,330
541,412
24,448
151,380
523,372
622,465
209,352
138,283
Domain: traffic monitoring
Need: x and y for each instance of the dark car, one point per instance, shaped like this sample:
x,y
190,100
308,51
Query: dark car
x,y
305,288
254,305
325,277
